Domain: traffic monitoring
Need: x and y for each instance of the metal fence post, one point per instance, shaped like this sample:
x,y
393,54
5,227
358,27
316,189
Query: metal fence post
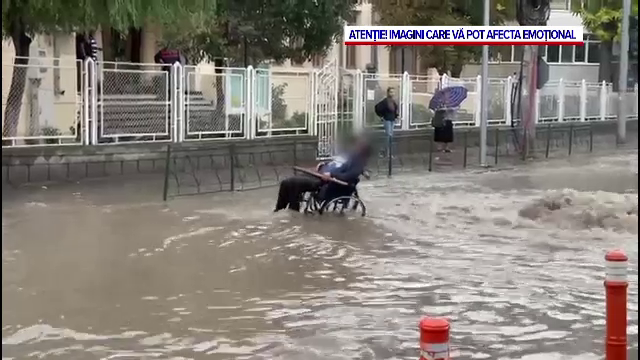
x,y
590,137
583,100
570,138
90,98
508,88
561,100
405,101
635,103
603,100
477,115
174,99
466,142
358,102
497,144
167,170
389,155
232,165
431,140
546,150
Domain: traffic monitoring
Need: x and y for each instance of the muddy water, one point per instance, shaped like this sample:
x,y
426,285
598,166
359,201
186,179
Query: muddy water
x,y
513,258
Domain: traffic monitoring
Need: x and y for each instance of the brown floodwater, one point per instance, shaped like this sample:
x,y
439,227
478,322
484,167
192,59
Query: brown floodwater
x,y
98,271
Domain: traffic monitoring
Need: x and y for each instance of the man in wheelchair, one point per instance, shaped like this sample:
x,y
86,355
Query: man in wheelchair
x,y
344,168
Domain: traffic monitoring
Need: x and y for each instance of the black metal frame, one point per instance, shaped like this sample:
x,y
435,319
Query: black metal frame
x,y
313,205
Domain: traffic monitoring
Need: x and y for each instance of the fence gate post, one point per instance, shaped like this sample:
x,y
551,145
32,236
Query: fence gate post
x,y
250,118
536,108
177,99
358,102
635,103
508,88
477,99
561,100
90,98
326,108
583,100
603,100
405,101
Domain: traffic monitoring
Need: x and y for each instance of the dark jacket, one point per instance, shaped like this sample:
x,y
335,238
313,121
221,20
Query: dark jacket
x,y
384,111
351,170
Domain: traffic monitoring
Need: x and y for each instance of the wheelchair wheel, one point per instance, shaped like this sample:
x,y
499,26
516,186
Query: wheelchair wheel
x,y
309,204
344,205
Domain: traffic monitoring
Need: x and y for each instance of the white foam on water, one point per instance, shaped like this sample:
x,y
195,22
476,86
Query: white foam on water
x,y
571,209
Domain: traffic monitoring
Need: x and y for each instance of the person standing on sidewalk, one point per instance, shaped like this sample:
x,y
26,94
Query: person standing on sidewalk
x,y
166,57
387,110
92,47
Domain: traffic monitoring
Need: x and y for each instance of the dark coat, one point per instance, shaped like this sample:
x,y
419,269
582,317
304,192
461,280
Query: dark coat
x,y
384,111
351,170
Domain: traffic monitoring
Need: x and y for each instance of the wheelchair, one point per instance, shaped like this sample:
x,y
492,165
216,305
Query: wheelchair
x,y
341,205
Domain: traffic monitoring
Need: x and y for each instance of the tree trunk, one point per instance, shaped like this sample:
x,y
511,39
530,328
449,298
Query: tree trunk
x,y
21,43
107,43
220,85
456,69
605,72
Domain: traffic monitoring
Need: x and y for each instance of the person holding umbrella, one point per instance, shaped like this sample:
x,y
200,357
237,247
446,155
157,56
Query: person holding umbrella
x,y
445,103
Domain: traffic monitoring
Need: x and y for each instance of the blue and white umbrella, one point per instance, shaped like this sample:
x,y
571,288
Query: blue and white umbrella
x,y
449,97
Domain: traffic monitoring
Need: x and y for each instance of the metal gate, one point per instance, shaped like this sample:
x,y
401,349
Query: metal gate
x,y
326,109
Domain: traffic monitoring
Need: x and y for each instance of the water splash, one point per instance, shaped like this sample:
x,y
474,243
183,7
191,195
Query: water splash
x,y
570,209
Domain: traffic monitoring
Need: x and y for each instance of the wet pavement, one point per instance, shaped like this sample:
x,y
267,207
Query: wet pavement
x,y
514,258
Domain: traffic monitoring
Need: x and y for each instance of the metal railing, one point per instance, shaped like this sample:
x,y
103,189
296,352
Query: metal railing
x,y
68,102
228,167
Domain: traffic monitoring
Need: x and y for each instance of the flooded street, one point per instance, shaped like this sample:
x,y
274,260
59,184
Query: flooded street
x,y
514,258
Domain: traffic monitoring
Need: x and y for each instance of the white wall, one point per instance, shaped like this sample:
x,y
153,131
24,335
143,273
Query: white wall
x,y
50,98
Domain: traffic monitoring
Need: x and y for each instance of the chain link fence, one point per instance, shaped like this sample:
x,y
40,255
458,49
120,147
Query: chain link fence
x,y
133,102
191,168
215,102
422,90
65,102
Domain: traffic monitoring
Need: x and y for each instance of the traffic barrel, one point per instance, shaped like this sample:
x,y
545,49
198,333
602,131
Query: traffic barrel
x,y
434,339
615,285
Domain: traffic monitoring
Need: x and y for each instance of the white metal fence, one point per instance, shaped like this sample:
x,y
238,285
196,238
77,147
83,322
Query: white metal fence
x,y
67,102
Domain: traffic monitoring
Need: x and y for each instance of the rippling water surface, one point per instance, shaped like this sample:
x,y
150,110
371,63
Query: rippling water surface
x,y
513,258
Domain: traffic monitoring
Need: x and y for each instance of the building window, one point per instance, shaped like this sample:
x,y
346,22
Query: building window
x,y
560,4
553,54
593,52
587,53
500,54
566,54
518,51
410,58
579,53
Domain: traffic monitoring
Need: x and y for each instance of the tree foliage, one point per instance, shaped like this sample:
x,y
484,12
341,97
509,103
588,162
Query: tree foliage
x,y
48,16
258,30
21,19
603,18
443,12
